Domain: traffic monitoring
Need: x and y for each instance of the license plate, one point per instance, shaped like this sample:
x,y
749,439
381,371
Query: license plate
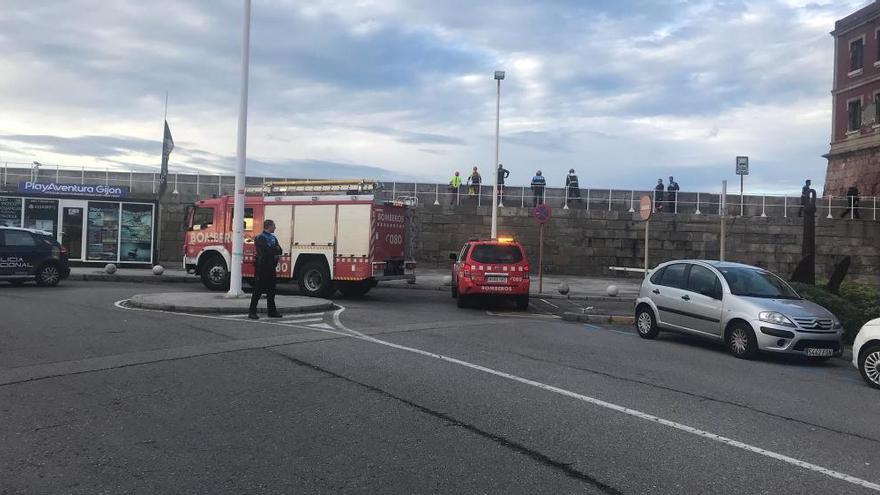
x,y
819,352
496,280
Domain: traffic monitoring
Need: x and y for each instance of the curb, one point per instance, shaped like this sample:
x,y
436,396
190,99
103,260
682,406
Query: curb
x,y
101,277
614,319
136,302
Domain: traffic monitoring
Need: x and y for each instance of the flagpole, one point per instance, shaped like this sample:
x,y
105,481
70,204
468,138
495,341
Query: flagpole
x,y
166,104
241,158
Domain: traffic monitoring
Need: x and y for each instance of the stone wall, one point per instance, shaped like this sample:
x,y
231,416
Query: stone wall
x,y
860,168
578,242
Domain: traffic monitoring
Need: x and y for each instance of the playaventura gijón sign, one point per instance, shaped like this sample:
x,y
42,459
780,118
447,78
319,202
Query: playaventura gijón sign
x,y
54,189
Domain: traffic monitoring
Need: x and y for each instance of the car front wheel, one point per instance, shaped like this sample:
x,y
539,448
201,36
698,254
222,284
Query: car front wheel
x,y
869,365
646,325
741,342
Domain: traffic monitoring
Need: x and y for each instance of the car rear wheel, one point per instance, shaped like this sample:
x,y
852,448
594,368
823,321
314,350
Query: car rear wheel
x,y
869,365
741,342
215,274
314,280
49,275
522,302
646,324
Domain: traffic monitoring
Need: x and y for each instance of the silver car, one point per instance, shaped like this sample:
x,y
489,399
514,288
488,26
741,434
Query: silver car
x,y
747,308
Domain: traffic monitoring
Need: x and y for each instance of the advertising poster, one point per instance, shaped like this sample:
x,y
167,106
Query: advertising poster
x,y
41,214
103,231
137,233
10,212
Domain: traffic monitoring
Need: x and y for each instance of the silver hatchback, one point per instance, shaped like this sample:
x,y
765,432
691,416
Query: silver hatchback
x,y
747,308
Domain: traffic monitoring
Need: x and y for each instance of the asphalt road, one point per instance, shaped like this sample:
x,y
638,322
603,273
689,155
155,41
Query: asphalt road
x,y
402,392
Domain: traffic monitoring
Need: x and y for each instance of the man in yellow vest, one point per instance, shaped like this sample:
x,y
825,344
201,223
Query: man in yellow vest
x,y
454,184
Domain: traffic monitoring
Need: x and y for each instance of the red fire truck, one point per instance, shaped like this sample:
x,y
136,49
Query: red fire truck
x,y
334,234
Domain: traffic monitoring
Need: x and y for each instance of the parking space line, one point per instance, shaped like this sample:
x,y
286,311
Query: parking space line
x,y
622,409
549,303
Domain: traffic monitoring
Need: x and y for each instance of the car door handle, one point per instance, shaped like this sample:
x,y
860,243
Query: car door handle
x,y
656,291
686,297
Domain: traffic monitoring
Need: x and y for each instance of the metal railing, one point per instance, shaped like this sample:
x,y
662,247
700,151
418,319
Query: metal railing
x,y
146,181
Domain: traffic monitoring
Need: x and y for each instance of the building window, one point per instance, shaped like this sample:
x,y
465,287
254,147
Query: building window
x,y
855,115
102,234
10,212
856,54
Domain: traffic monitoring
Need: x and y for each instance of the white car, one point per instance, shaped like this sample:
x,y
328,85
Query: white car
x,y
866,352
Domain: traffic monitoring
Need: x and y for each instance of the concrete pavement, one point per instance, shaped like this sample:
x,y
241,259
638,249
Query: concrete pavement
x,y
383,395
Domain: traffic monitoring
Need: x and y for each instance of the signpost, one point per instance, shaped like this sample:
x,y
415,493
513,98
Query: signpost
x,y
723,202
542,214
742,170
646,205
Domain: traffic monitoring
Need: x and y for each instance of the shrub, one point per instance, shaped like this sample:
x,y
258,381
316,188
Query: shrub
x,y
855,306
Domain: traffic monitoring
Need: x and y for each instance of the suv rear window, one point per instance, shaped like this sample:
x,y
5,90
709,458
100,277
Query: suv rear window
x,y
496,253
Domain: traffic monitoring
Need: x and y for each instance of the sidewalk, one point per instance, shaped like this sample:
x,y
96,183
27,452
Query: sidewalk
x,y
580,287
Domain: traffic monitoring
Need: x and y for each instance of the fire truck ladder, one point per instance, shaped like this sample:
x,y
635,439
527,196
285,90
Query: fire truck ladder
x,y
351,187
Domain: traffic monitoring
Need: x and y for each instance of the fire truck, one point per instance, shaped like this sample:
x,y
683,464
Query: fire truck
x,y
335,235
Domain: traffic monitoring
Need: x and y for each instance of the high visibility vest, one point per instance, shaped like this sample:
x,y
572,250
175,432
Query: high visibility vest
x,y
455,182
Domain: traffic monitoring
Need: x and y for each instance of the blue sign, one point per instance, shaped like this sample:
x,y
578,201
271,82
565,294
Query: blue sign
x,y
54,189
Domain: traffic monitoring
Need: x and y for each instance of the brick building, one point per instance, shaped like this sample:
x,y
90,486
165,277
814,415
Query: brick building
x,y
854,157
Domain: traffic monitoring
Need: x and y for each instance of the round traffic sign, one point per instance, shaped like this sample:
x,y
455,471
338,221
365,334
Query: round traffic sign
x,y
542,213
645,207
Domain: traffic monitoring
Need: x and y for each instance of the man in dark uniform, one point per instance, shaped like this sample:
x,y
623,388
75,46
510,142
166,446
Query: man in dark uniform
x,y
659,191
502,174
671,194
538,184
572,187
805,196
852,201
265,259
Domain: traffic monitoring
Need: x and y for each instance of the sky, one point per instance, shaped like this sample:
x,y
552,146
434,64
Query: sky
x,y
623,91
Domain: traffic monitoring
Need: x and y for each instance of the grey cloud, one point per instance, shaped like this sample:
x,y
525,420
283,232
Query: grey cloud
x,y
95,146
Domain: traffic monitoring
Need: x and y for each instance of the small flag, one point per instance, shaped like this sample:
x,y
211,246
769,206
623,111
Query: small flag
x,y
167,146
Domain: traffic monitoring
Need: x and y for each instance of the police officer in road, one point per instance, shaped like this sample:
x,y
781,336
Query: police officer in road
x,y
265,260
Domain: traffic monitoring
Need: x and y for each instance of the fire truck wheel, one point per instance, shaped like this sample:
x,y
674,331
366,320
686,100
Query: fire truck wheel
x,y
354,289
314,280
215,275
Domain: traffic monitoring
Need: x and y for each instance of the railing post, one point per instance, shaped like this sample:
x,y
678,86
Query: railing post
x,y
82,177
654,203
785,206
479,195
566,199
436,194
220,185
875,207
632,201
56,172
175,191
609,200
764,206
523,197
106,176
130,180
5,172
588,200
500,196
457,193
154,183
698,212
852,207
829,207
720,203
198,176
676,203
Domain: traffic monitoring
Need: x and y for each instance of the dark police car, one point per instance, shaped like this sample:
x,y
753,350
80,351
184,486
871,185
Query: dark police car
x,y
27,254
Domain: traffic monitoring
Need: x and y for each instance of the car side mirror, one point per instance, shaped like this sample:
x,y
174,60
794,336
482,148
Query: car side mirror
x,y
453,257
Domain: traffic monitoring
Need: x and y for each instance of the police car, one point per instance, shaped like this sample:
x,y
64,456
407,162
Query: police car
x,y
491,268
28,254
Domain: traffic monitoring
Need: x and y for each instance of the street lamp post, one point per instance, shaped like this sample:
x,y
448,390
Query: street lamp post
x,y
499,76
241,159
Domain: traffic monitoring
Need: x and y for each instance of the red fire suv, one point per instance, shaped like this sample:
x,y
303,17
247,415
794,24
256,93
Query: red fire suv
x,y
497,268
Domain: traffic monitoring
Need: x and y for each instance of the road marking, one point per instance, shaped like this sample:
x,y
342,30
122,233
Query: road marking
x,y
622,409
524,315
549,303
321,325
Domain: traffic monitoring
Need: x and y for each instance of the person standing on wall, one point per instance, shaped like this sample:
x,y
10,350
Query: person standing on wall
x,y
454,184
659,194
671,194
852,202
805,196
538,185
474,181
502,174
265,260
572,186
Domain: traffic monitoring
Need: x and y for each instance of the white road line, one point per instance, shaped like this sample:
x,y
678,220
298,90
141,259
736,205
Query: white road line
x,y
321,325
308,320
622,409
549,303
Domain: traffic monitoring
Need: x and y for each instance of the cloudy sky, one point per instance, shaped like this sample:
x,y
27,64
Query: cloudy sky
x,y
623,91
